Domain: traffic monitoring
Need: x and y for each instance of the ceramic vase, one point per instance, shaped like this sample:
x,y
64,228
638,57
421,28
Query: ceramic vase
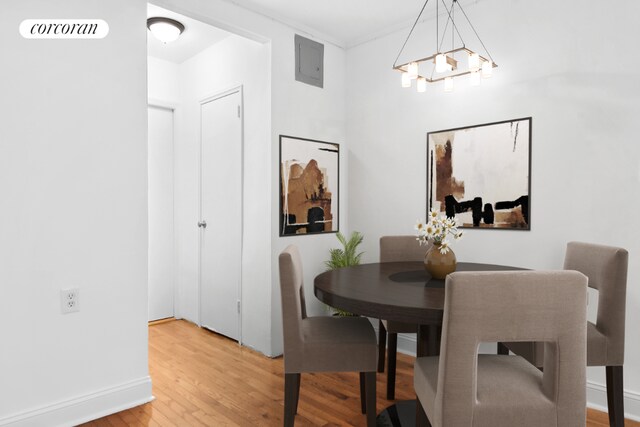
x,y
437,264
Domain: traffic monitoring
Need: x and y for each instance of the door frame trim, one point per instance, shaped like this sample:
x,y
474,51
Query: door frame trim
x,y
170,106
218,95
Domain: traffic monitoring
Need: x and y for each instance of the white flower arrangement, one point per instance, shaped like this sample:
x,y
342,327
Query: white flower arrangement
x,y
439,229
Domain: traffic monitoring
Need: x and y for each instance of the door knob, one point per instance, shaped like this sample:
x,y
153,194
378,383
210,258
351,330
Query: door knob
x,y
202,224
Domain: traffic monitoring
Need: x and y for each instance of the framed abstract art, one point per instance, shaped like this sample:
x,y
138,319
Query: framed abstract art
x,y
309,182
481,175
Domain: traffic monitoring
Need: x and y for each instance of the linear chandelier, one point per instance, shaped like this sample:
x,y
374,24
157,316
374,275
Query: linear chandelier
x,y
446,65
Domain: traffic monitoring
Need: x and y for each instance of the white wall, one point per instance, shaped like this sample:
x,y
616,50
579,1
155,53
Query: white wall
x,y
295,109
163,81
555,64
308,112
73,179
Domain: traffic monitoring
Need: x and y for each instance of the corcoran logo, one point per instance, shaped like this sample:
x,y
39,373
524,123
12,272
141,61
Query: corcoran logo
x,y
64,28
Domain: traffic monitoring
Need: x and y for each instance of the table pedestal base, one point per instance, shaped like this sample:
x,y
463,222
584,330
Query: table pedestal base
x,y
401,414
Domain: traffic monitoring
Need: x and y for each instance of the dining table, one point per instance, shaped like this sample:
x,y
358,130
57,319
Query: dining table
x,y
399,291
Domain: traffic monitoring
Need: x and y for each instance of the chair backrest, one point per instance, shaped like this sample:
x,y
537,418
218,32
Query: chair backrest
x,y
293,302
606,268
401,248
513,306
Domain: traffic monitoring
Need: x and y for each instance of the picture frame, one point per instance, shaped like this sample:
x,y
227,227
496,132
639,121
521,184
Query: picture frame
x,y
309,186
481,174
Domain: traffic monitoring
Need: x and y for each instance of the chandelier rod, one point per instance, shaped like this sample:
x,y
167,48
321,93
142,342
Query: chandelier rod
x,y
476,33
410,32
453,23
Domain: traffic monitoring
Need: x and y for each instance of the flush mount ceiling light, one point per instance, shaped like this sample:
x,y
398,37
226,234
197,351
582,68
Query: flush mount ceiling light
x,y
446,65
165,29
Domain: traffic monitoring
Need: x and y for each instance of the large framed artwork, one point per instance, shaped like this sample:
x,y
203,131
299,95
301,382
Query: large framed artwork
x,y
309,182
481,175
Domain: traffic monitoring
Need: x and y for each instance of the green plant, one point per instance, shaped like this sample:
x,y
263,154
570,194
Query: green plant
x,y
345,257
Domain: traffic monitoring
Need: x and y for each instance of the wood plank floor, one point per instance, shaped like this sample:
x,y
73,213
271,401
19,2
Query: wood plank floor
x,y
203,379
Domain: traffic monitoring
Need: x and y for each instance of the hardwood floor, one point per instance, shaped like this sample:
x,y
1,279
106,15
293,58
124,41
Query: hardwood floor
x,y
203,379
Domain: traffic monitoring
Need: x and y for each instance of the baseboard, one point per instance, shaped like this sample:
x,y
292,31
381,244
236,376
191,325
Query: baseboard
x,y
596,393
597,399
85,408
406,344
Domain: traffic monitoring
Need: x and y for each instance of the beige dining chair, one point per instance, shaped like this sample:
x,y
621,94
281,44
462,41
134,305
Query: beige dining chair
x,y
463,388
606,268
322,344
395,249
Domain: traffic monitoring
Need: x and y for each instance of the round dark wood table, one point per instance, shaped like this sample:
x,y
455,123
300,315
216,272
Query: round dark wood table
x,y
400,291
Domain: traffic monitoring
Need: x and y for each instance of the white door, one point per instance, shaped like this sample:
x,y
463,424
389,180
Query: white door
x,y
221,210
161,253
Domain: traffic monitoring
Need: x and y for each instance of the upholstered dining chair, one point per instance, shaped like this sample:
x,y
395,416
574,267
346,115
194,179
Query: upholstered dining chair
x,y
606,268
322,344
395,249
462,388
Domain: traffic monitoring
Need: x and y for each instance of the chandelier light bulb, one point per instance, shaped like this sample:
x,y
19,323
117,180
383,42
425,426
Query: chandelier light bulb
x,y
474,78
448,84
474,62
441,63
421,85
413,70
487,69
406,80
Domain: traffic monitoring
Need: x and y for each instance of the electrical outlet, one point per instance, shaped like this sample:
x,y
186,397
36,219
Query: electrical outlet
x,y
69,300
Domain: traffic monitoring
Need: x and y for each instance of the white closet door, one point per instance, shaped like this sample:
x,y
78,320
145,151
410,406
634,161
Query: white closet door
x,y
161,250
221,210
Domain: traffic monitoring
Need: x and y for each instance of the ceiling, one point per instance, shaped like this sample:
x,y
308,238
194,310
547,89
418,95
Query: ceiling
x,y
345,22
196,37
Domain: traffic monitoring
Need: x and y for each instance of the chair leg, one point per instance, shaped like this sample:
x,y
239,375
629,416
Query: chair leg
x,y
363,393
615,396
421,416
382,344
370,379
291,384
503,349
295,404
391,367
